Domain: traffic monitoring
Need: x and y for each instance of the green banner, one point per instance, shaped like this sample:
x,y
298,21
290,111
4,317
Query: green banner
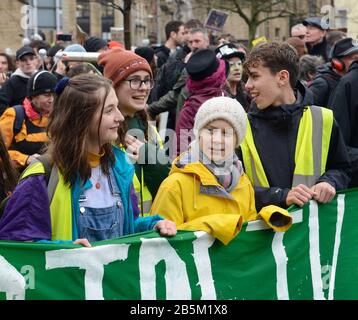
x,y
316,259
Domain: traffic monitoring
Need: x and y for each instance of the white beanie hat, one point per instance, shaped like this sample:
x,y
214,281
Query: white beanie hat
x,y
223,108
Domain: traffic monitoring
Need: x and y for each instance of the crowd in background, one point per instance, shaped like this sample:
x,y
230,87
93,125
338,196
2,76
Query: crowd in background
x,y
86,119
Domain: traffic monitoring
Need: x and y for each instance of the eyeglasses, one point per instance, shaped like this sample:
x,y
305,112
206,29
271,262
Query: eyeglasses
x,y
136,83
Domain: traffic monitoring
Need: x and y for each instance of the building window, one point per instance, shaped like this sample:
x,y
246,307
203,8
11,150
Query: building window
x,y
83,9
277,32
341,18
107,10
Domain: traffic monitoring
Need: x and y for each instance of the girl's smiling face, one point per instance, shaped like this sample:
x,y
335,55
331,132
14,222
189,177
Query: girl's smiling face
x,y
110,121
217,140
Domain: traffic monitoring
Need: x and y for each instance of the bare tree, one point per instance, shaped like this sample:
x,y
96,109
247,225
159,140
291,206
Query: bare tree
x,y
256,12
126,11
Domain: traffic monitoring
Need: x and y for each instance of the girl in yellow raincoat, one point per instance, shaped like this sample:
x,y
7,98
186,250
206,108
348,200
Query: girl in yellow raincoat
x,y
207,189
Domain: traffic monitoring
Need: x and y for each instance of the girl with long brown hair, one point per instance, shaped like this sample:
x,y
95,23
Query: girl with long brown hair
x,y
91,201
133,80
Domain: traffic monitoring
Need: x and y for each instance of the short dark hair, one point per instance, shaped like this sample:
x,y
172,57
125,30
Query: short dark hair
x,y
275,56
172,26
193,23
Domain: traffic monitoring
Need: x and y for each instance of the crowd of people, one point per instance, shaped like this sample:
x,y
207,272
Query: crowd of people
x,y
248,134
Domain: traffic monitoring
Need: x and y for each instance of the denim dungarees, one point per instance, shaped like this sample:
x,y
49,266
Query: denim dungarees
x,y
97,224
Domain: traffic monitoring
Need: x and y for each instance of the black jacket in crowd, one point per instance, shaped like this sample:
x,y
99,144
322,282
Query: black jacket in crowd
x,y
344,103
163,54
13,92
275,133
324,84
320,49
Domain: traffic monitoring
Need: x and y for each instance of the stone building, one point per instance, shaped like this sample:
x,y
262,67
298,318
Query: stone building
x,y
148,18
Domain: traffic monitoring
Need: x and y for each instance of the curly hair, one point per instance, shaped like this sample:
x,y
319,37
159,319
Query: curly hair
x,y
276,56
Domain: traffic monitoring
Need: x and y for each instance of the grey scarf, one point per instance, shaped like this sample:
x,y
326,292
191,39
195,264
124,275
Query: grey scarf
x,y
227,172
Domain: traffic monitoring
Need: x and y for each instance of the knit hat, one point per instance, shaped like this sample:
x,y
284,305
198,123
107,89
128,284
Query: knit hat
x,y
93,44
74,48
115,44
223,108
202,64
41,82
119,64
145,52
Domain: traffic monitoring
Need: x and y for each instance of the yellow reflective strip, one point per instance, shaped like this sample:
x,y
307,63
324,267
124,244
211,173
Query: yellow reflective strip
x,y
304,152
246,159
326,136
159,139
249,151
37,137
136,184
61,212
34,168
60,207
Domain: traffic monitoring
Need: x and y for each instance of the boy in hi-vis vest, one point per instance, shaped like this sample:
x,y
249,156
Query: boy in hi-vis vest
x,y
293,152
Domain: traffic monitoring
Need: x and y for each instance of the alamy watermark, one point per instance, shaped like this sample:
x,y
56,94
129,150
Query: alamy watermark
x,y
28,17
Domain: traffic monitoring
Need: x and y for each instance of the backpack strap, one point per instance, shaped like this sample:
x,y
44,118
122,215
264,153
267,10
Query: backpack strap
x,y
51,175
19,118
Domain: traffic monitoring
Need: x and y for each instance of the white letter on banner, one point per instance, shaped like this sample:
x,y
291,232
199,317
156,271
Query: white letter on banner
x,y
90,259
337,243
279,252
314,252
152,251
203,264
11,281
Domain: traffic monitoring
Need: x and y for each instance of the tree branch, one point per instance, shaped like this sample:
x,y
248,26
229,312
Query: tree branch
x,y
113,5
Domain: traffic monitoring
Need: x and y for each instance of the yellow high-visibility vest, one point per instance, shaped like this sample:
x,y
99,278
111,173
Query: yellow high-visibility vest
x,y
144,196
313,139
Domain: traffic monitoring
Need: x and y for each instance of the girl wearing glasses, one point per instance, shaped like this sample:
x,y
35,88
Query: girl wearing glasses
x,y
87,196
132,80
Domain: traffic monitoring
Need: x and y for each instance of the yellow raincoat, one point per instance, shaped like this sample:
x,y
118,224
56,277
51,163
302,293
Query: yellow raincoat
x,y
192,198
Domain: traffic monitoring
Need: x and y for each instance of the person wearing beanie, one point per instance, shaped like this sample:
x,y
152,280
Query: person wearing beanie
x,y
24,126
207,189
95,44
132,80
207,78
115,44
92,198
234,59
